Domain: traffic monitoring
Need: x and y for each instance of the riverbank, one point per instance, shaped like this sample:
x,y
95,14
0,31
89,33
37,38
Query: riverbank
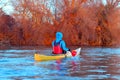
x,y
5,47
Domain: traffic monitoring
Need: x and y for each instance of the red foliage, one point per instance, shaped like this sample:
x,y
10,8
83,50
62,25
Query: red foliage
x,y
83,22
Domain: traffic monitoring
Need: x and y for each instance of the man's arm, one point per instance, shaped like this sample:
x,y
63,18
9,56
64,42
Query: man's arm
x,y
63,45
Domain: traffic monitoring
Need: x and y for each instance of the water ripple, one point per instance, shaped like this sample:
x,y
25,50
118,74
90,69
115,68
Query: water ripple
x,y
92,64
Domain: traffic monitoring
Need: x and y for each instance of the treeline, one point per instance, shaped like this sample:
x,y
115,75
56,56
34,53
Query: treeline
x,y
83,22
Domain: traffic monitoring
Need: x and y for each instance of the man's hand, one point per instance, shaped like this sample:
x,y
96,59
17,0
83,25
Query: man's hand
x,y
68,54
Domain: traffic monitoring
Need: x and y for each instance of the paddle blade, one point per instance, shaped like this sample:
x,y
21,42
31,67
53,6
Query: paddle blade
x,y
78,51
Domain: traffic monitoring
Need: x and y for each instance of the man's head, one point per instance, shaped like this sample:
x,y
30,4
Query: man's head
x,y
59,36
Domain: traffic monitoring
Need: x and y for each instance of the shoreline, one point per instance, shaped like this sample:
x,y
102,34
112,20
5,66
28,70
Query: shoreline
x,y
42,47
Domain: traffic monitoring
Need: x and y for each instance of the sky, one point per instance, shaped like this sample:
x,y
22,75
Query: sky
x,y
8,9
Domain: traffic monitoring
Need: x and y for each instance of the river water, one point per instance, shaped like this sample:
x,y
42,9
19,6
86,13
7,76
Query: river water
x,y
93,64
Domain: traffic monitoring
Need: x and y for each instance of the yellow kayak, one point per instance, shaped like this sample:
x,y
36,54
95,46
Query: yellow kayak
x,y
41,57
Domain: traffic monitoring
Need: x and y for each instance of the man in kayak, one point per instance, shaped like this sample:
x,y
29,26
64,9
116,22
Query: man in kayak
x,y
59,46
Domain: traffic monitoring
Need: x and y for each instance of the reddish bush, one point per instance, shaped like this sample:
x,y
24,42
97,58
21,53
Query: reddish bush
x,y
83,22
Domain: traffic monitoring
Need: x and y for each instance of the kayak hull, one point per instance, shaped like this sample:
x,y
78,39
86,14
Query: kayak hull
x,y
41,57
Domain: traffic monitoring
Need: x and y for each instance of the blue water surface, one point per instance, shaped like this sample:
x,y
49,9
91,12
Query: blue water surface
x,y
92,64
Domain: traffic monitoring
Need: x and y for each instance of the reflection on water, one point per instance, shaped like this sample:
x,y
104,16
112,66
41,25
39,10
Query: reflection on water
x,y
92,64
